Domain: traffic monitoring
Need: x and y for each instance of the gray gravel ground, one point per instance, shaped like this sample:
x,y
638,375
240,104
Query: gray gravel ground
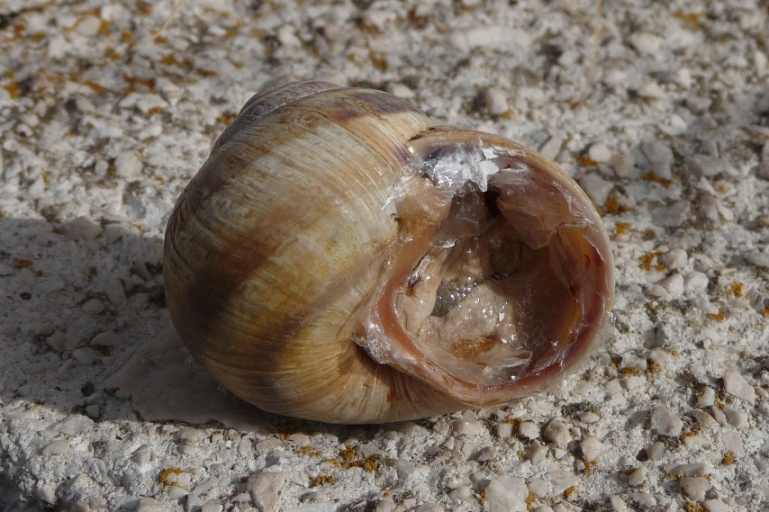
x,y
660,110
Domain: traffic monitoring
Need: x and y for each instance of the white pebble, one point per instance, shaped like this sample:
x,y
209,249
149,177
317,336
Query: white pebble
x,y
589,417
596,188
148,504
674,285
736,385
47,493
128,165
695,487
732,442
693,469
758,258
656,451
716,506
506,494
528,430
74,424
644,499
707,397
557,432
702,418
647,44
58,447
468,428
560,480
651,90
696,282
736,417
400,90
672,215
674,259
429,507
93,306
665,423
656,157
86,355
265,488
81,228
708,166
591,448
504,430
637,477
211,506
599,152
495,101
536,453
617,504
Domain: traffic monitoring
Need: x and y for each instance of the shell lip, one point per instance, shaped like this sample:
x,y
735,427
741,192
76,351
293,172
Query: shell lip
x,y
580,240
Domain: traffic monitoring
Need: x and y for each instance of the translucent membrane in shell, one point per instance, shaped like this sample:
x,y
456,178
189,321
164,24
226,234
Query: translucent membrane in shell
x,y
501,277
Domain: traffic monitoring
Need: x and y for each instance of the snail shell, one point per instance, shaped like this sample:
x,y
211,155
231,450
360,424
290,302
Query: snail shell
x,y
339,258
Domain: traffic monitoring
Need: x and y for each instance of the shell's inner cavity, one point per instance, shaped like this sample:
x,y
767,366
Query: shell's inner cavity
x,y
499,292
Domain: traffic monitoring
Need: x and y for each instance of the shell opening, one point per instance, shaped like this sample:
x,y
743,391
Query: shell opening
x,y
500,289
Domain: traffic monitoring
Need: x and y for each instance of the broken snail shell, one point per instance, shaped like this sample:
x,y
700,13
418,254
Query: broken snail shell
x,y
340,258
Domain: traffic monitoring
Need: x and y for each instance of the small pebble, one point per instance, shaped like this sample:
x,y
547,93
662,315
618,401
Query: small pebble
x,y
148,504
589,417
716,506
429,507
47,493
617,504
128,165
702,418
386,504
468,428
636,477
656,451
647,44
211,506
695,487
264,489
462,493
672,215
495,101
504,430
651,90
656,157
674,259
596,188
591,448
81,228
560,480
58,447
736,385
732,442
693,469
557,432
665,423
696,282
536,453
506,494
709,167
707,397
528,430
74,424
599,152
736,417
644,499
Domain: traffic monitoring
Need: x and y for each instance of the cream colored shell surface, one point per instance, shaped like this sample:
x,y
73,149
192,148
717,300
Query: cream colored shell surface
x,y
285,232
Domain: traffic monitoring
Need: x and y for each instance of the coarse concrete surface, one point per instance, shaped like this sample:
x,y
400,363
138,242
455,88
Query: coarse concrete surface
x,y
659,110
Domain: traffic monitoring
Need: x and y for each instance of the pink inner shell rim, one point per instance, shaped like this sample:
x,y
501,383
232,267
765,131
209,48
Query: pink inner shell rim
x,y
504,289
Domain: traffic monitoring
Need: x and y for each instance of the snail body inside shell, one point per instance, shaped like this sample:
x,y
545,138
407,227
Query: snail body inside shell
x,y
339,258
